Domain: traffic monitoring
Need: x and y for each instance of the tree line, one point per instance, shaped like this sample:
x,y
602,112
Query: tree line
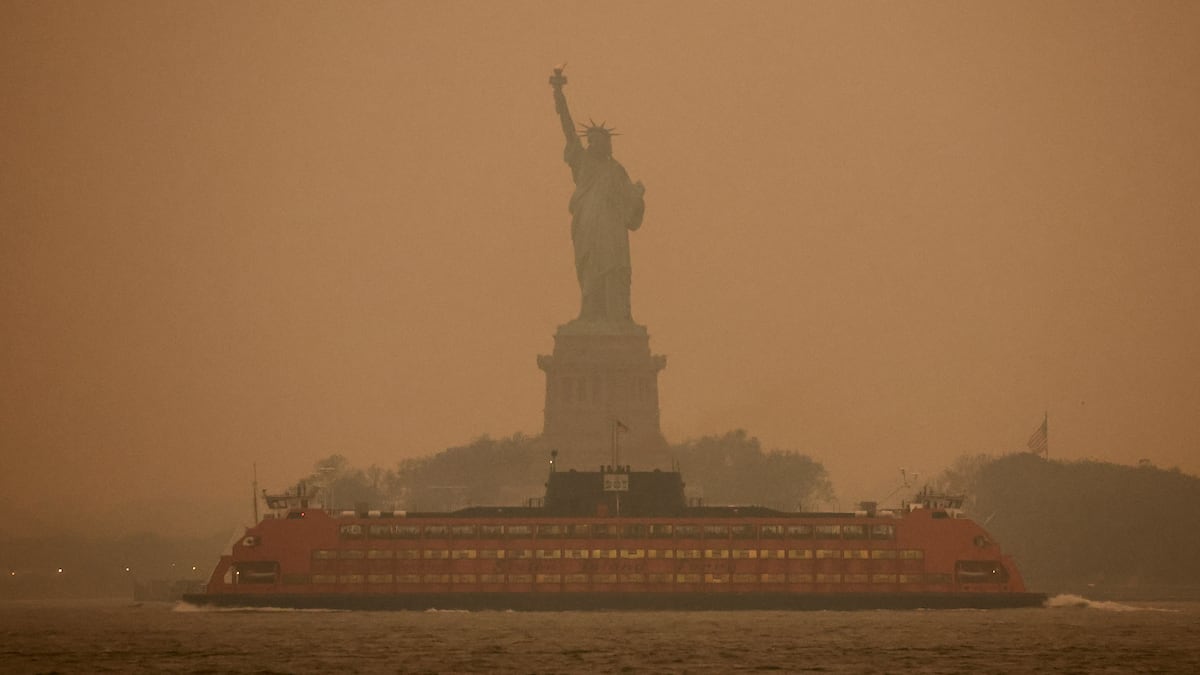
x,y
1087,526
731,468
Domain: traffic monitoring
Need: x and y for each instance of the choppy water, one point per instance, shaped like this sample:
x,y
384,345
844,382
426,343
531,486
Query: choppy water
x,y
1071,634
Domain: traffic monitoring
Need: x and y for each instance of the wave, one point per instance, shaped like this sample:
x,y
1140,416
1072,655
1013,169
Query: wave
x,y
1069,601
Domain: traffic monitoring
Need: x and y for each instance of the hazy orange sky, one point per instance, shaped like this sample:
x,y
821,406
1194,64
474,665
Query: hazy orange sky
x,y
884,234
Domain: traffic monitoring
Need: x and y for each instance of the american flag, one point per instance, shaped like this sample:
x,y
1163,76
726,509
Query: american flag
x,y
1039,442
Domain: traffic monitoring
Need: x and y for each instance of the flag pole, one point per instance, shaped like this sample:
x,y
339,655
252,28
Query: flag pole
x,y
1046,426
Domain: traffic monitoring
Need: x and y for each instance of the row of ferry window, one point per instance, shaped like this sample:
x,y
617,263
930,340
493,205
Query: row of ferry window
x,y
612,553
630,578
627,531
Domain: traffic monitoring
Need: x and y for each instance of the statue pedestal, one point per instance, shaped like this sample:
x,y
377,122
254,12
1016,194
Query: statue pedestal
x,y
601,373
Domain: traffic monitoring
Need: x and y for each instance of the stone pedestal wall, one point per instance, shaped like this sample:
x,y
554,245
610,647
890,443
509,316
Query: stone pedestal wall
x,y
600,374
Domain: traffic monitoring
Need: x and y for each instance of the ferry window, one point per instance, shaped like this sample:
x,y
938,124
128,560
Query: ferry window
x,y
491,553
770,531
350,579
378,554
856,578
883,578
883,531
379,531
800,578
518,531
379,578
633,531
829,578
716,531
937,578
980,572
258,572
324,578
855,554
462,531
436,531
604,531
352,553
578,530
436,554
827,531
324,554
491,531
912,554
828,553
549,531
883,554
799,531
350,531
406,531
742,531
463,554
520,578
408,554
518,553
660,531
854,531
806,554
687,531
687,553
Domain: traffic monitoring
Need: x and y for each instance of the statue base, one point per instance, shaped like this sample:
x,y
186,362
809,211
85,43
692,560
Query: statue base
x,y
601,385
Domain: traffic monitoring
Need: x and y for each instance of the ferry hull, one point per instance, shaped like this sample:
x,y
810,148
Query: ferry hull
x,y
622,601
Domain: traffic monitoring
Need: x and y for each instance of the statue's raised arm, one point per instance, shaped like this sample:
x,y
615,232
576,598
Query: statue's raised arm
x,y
557,80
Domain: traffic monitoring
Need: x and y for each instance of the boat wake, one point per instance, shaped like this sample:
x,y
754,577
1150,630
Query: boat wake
x,y
1069,601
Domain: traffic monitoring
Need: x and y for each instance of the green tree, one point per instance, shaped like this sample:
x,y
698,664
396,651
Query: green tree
x,y
733,469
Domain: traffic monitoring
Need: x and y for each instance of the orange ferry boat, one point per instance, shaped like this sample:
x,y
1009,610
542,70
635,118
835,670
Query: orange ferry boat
x,y
616,539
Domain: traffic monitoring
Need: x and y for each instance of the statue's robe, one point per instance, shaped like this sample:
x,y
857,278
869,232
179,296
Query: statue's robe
x,y
604,206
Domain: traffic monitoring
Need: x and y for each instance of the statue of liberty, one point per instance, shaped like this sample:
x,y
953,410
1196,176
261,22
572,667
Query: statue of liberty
x,y
605,205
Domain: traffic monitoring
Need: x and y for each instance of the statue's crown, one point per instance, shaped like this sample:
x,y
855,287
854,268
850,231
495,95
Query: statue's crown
x,y
593,128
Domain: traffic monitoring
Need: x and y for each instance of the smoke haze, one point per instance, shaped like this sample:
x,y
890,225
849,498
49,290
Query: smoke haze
x,y
881,234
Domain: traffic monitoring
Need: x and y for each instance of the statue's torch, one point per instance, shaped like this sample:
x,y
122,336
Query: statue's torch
x,y
557,80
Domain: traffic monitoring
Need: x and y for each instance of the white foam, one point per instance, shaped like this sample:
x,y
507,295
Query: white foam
x,y
1070,601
